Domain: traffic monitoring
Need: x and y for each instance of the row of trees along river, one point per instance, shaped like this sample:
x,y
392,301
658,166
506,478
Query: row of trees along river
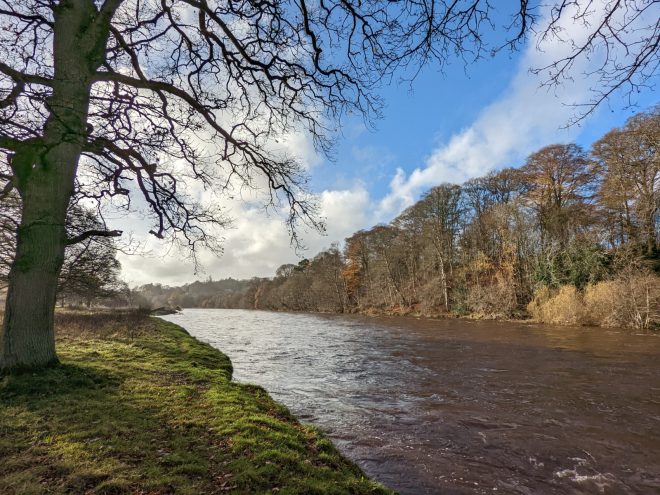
x,y
571,237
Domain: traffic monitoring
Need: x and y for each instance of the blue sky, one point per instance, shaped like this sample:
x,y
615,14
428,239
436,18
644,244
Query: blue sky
x,y
419,117
416,117
451,126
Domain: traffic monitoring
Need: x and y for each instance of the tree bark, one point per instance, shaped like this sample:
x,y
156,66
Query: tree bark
x,y
650,233
27,337
45,171
443,279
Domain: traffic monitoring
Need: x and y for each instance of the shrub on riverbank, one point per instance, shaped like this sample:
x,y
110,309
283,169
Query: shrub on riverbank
x,y
564,306
139,406
631,300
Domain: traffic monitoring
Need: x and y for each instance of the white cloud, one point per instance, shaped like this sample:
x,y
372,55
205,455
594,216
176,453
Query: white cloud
x,y
257,244
301,145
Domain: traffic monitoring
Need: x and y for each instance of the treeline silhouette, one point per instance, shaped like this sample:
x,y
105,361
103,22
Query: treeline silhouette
x,y
571,237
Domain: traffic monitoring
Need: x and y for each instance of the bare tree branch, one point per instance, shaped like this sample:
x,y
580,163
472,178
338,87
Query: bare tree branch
x,y
23,77
93,233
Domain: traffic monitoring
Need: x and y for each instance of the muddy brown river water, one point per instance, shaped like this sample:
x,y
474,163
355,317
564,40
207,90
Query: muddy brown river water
x,y
460,407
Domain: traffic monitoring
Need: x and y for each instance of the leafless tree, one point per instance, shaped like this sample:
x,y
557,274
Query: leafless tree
x,y
630,190
619,47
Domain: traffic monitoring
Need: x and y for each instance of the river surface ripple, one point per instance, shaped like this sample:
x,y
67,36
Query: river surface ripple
x,y
459,407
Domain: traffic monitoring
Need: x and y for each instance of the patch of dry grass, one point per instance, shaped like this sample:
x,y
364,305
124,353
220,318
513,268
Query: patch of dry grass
x,y
631,300
558,307
103,324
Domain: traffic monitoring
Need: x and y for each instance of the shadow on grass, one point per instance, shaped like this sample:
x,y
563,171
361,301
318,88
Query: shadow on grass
x,y
71,429
156,413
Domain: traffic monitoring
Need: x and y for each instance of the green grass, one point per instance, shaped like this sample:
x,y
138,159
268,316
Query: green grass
x,y
138,406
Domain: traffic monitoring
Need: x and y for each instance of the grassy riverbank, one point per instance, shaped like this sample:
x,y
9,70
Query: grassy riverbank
x,y
138,406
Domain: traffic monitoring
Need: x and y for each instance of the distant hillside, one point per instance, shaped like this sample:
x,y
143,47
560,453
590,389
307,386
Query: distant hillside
x,y
226,293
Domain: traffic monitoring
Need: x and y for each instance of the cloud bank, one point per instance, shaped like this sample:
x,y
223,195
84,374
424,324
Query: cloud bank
x,y
256,245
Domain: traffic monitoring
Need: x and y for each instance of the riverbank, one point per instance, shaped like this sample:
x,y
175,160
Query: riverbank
x,y
567,317
139,406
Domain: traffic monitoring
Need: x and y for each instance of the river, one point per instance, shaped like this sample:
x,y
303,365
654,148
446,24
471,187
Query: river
x,y
459,407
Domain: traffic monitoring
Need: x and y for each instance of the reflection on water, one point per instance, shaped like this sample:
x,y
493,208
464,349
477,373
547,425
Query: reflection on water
x,y
458,407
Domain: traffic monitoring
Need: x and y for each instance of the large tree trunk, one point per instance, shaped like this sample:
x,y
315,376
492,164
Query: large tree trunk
x,y
27,337
45,171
